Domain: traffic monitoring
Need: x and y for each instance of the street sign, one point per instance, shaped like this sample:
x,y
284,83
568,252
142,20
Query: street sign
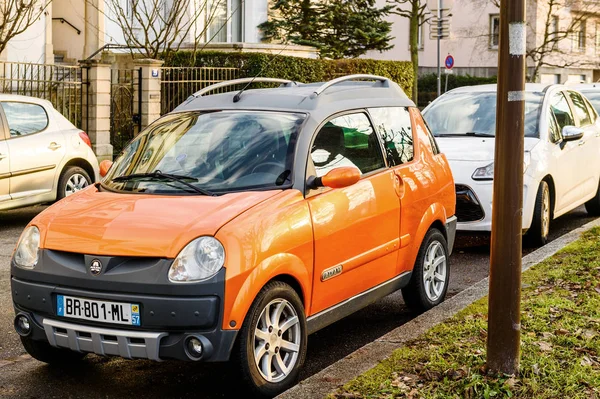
x,y
449,62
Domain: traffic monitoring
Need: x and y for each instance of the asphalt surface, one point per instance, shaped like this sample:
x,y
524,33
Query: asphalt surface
x,y
98,377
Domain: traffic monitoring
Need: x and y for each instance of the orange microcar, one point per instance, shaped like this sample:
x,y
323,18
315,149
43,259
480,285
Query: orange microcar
x,y
239,223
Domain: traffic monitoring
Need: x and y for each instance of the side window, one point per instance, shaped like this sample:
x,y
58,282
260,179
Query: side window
x,y
580,109
394,128
24,118
561,110
434,145
591,111
553,130
347,140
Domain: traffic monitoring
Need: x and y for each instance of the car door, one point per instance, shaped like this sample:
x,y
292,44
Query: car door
x,y
36,148
564,165
356,228
4,164
587,147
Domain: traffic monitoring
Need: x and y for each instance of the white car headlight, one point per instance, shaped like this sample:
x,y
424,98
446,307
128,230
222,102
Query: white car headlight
x,y
201,259
484,173
27,255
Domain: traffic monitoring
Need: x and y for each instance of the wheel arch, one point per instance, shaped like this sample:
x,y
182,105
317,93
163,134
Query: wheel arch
x,y
550,181
83,164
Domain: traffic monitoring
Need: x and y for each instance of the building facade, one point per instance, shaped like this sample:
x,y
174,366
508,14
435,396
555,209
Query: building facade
x,y
474,36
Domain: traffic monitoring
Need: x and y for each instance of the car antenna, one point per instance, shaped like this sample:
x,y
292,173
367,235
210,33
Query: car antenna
x,y
238,96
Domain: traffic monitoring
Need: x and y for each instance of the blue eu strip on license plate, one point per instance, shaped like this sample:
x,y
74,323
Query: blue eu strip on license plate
x,y
101,311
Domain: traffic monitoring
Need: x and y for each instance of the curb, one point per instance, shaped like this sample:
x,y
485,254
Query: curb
x,y
367,357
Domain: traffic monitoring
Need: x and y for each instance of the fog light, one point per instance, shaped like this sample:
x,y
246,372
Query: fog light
x,y
194,348
22,325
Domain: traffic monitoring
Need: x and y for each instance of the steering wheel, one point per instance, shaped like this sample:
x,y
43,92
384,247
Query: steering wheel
x,y
270,165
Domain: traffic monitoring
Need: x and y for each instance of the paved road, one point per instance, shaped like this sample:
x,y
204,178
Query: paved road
x,y
116,378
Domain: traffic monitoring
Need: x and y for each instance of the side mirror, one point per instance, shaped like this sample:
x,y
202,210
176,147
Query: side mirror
x,y
104,167
572,133
336,178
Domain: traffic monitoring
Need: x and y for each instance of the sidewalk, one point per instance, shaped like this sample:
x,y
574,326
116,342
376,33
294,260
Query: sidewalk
x,y
560,341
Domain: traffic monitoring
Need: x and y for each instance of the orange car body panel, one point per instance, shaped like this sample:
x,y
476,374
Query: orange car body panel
x,y
372,228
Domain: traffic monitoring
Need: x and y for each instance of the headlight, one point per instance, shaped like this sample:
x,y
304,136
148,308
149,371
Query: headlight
x,y
485,173
199,260
26,255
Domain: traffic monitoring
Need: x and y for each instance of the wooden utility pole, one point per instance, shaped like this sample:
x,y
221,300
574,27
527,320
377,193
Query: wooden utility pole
x,y
504,320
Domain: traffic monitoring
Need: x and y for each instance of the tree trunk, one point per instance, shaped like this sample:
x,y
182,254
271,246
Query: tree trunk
x,y
414,48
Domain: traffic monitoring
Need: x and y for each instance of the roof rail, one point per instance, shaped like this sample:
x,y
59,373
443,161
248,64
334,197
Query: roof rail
x,y
234,82
327,85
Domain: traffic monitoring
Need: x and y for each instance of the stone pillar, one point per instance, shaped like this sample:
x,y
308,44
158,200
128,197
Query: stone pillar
x,y
150,90
96,107
94,26
48,47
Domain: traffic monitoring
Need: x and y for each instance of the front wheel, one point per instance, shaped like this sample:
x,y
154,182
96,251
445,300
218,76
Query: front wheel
x,y
593,206
431,275
72,180
44,352
537,235
272,345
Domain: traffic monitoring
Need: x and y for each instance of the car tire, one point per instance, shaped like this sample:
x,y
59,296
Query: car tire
x,y
593,206
431,275
44,352
259,334
537,235
72,179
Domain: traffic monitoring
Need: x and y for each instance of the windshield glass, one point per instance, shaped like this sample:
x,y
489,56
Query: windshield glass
x,y
594,99
216,151
475,114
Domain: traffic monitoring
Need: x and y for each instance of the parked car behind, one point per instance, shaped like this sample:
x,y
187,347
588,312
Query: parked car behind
x,y
562,154
43,157
239,223
592,92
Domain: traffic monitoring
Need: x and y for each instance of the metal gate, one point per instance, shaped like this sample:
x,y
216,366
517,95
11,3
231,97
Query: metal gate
x,y
125,106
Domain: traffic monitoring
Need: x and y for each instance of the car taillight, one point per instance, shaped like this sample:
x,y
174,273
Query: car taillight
x,y
85,138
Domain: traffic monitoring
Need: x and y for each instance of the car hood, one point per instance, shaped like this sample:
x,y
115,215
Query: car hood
x,y
118,224
474,148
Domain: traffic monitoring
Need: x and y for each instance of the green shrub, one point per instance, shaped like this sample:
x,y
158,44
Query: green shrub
x,y
294,68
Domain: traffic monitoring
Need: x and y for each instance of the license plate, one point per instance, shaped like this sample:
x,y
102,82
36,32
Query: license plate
x,y
102,311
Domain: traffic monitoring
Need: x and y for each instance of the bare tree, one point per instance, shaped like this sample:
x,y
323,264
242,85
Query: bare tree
x,y
18,15
161,27
417,13
560,35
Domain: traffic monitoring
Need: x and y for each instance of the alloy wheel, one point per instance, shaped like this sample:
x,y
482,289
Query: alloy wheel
x,y
75,183
434,271
545,212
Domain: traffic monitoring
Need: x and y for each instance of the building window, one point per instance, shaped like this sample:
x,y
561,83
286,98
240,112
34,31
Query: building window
x,y
553,29
578,37
494,31
224,21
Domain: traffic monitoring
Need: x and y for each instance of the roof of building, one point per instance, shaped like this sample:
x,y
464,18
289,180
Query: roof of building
x,y
336,97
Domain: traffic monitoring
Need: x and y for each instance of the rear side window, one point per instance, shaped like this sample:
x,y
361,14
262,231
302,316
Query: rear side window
x,y
394,128
348,140
24,118
562,111
580,109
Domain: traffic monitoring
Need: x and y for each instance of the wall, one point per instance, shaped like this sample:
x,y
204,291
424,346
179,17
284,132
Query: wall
x,y
65,38
29,46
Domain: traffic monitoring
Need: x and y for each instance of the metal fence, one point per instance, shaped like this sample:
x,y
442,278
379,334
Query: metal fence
x,y
60,84
125,106
178,83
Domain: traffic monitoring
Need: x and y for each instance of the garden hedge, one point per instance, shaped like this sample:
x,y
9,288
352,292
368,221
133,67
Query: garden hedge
x,y
294,68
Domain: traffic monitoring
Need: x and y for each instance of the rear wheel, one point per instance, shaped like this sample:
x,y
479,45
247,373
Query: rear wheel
x,y
542,214
593,206
72,180
431,274
273,338
44,352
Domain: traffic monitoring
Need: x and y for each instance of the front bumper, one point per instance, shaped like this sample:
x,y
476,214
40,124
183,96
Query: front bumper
x,y
170,314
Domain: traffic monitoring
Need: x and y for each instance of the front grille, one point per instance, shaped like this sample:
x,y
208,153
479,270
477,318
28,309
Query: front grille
x,y
103,341
468,208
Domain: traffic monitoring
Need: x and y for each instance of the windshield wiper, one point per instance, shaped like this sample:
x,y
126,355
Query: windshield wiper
x,y
166,176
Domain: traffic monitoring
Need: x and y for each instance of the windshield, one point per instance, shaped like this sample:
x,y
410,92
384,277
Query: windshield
x,y
594,99
475,114
216,152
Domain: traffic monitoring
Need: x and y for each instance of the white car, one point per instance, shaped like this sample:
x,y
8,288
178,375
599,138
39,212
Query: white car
x,y
562,154
43,157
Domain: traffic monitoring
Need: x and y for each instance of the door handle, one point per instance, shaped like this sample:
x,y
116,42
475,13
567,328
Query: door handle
x,y
54,146
2,156
581,142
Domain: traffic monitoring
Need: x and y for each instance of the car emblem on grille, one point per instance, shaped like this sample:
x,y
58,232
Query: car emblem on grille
x,y
95,267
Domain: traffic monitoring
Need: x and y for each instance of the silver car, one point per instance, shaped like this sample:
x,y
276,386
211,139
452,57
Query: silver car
x,y
592,92
43,156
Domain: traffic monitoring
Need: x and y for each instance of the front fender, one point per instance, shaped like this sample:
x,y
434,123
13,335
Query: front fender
x,y
238,303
